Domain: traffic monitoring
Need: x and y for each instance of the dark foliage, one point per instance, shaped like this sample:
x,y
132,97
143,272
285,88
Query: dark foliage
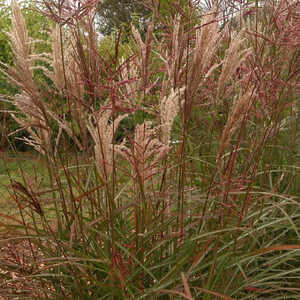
x,y
120,13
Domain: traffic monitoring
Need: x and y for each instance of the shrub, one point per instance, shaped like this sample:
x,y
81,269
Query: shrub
x,y
214,215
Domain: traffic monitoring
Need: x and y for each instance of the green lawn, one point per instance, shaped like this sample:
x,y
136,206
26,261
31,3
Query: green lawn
x,y
14,166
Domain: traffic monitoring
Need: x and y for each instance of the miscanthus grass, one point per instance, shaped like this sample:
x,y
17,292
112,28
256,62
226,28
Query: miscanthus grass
x,y
171,168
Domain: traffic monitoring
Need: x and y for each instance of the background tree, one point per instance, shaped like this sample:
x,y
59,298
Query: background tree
x,y
120,13
5,52
116,14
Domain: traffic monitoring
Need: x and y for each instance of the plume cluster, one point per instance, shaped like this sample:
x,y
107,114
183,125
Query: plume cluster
x,y
144,51
168,109
57,75
30,101
102,129
233,59
241,106
145,152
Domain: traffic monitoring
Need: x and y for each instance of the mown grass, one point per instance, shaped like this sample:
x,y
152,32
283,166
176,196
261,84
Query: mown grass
x,y
12,165
196,199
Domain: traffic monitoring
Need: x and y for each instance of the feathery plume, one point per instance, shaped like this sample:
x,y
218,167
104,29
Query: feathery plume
x,y
29,101
169,108
21,44
34,123
102,130
145,50
129,75
174,57
232,60
241,105
58,73
145,152
208,37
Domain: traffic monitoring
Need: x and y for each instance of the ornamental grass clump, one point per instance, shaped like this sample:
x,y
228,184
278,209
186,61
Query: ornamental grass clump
x,y
166,169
